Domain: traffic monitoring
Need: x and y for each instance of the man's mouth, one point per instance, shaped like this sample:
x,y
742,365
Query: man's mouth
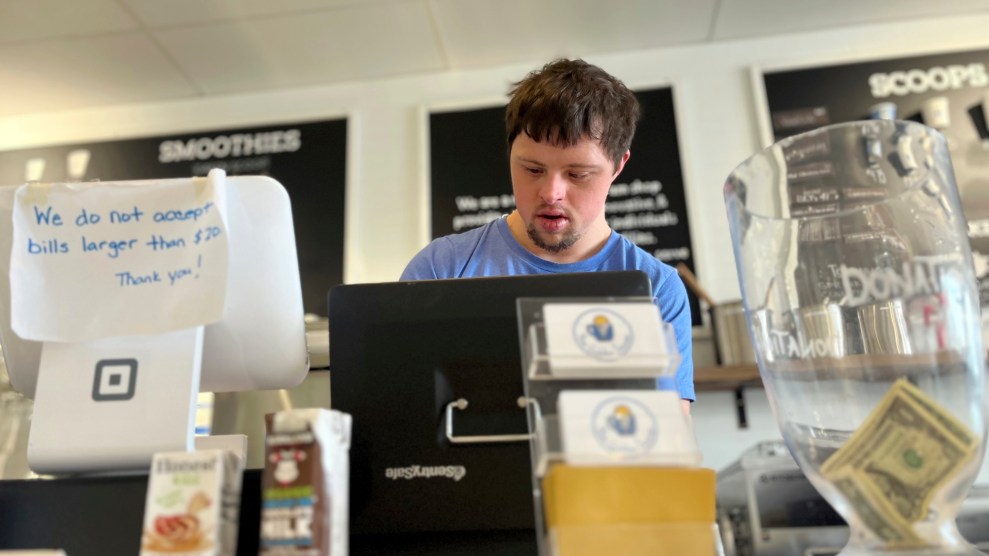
x,y
551,221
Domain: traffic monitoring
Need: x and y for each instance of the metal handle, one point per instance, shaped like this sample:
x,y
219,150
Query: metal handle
x,y
461,404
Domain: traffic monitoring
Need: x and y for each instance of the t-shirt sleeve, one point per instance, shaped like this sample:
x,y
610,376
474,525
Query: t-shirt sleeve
x,y
419,268
675,309
432,262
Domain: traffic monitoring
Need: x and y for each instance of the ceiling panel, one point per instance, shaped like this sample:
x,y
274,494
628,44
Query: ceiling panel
x,y
756,18
163,13
65,54
65,74
41,19
486,32
332,46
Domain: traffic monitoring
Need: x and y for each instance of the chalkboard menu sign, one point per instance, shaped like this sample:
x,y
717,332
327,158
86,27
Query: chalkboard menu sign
x,y
470,183
307,158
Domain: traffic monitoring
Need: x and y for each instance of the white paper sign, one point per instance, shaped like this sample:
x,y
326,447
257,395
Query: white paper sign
x,y
95,260
625,427
597,335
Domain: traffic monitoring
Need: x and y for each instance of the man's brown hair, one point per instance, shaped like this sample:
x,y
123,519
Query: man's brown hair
x,y
569,99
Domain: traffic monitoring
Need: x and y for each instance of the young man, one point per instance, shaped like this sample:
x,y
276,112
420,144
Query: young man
x,y
569,128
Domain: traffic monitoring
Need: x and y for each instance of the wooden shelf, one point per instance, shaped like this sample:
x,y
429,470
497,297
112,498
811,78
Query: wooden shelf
x,y
727,377
733,377
869,366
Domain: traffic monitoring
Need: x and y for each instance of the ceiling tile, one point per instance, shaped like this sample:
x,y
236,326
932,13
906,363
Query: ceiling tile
x,y
485,32
337,45
66,54
41,19
94,71
159,13
758,18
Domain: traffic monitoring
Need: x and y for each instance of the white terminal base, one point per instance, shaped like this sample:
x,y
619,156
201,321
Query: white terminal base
x,y
110,404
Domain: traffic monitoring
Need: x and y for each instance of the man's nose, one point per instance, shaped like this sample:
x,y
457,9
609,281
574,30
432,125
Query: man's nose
x,y
553,190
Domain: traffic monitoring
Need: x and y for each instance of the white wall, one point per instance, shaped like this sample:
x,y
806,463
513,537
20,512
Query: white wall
x,y
387,223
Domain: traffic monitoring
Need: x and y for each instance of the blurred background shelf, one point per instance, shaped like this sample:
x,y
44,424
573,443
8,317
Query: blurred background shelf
x,y
727,377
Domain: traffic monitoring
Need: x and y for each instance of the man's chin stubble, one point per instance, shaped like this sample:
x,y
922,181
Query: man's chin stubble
x,y
566,242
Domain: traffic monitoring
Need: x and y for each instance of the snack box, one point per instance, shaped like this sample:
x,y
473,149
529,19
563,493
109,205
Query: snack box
x,y
193,504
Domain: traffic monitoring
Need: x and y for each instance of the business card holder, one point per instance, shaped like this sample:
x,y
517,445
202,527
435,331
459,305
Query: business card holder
x,y
607,363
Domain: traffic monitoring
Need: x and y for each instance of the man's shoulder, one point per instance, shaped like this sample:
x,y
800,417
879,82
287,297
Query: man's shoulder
x,y
638,258
472,236
463,244
665,280
446,256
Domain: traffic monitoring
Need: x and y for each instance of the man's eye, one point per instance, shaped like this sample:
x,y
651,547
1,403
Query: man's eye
x,y
579,175
534,171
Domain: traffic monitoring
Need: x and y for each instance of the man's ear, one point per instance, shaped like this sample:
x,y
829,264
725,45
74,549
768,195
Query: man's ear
x,y
621,163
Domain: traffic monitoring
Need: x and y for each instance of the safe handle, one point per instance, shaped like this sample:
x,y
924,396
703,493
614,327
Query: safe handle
x,y
461,404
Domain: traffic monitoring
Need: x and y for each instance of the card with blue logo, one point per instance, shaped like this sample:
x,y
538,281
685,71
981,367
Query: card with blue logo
x,y
590,336
625,427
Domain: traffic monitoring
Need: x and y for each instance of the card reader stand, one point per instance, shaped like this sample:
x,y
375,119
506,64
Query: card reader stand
x,y
110,404
542,388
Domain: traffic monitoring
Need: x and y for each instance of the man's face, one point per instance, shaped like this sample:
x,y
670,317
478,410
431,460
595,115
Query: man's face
x,y
560,191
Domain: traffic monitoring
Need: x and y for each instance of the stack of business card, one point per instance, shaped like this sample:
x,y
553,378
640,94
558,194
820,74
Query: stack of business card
x,y
588,339
625,427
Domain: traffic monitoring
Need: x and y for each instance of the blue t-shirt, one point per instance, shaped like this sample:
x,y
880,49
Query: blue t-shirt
x,y
491,250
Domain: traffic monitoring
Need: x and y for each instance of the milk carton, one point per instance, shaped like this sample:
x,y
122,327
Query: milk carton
x,y
304,487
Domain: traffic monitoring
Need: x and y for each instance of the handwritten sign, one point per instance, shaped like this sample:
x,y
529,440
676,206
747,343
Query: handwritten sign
x,y
96,260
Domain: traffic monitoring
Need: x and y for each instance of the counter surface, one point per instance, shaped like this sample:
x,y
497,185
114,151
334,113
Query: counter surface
x,y
102,516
